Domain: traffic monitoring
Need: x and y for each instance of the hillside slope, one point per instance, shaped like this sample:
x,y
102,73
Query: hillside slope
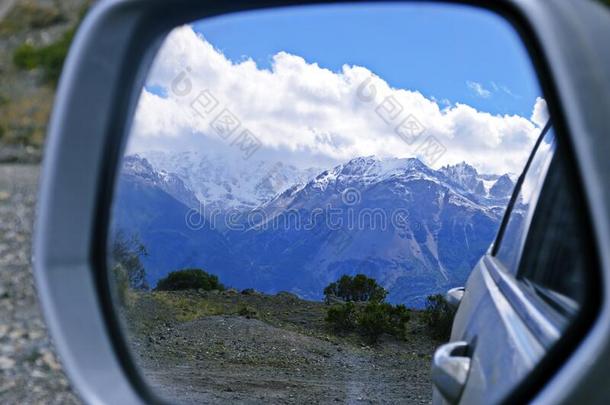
x,y
26,95
196,347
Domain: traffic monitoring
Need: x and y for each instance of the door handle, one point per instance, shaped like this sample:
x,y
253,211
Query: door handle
x,y
450,366
454,296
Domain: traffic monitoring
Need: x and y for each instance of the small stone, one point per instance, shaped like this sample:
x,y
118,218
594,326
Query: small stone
x,y
38,374
6,363
4,196
49,359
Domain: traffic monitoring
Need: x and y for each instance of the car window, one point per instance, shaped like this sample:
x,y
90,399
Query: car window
x,y
555,260
520,216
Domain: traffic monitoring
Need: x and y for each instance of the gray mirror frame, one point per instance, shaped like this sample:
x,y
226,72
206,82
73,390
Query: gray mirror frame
x,y
97,95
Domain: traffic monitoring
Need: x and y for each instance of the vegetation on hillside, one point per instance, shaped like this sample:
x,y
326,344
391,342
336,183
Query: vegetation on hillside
x,y
29,15
358,288
127,268
189,279
439,317
35,36
364,312
50,58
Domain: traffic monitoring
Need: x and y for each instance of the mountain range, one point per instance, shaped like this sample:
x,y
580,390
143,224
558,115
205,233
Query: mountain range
x,y
275,227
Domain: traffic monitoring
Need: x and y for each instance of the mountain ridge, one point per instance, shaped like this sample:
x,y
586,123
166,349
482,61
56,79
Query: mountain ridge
x,y
417,230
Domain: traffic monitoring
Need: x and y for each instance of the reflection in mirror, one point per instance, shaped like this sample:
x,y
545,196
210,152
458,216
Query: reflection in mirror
x,y
301,185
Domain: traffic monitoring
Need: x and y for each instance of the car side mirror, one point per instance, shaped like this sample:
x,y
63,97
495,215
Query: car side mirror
x,y
97,104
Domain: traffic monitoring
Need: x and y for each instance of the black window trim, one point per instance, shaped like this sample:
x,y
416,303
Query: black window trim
x,y
509,208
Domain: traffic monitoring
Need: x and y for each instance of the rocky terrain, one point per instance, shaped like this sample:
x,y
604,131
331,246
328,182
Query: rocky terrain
x,y
254,348
30,372
27,91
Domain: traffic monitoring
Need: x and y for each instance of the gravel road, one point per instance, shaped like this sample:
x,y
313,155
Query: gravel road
x,y
29,370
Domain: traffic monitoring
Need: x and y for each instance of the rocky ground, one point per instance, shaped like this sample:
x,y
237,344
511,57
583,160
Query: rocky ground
x,y
29,370
230,347
26,94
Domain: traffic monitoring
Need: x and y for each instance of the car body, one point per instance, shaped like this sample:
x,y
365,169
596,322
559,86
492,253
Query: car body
x,y
525,293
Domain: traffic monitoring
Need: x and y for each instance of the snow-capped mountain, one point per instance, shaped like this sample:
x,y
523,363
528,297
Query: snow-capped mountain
x,y
138,168
157,209
487,188
220,183
416,230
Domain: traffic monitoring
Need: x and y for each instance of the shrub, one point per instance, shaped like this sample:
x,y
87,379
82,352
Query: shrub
x,y
373,320
438,316
126,253
370,320
189,279
50,58
399,316
342,316
247,312
121,282
25,57
378,318
359,288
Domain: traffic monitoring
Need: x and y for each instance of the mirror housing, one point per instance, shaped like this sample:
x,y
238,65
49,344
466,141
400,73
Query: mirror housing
x,y
454,297
96,99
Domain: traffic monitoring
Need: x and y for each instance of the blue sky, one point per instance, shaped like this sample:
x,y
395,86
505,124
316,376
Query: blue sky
x,y
446,52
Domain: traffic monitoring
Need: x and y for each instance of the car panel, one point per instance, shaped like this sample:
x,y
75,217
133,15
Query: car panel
x,y
504,349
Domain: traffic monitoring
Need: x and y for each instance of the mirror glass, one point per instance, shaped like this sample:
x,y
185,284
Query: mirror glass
x,y
301,186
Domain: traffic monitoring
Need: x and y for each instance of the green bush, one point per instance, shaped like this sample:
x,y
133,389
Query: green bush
x,y
373,320
359,288
438,316
376,319
342,316
49,58
248,312
25,57
189,279
399,316
370,320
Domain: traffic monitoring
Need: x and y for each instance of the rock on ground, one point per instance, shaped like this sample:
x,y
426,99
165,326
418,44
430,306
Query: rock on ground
x,y
30,372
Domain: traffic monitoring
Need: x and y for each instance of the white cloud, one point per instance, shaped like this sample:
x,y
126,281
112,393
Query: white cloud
x,y
500,87
305,114
540,114
478,89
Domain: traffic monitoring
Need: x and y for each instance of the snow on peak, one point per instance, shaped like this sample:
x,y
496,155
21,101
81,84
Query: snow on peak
x,y
220,182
